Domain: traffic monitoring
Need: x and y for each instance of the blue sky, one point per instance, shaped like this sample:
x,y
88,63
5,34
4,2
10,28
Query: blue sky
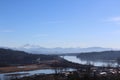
x,y
60,23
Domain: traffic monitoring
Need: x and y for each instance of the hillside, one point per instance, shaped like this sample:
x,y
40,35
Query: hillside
x,y
13,57
105,55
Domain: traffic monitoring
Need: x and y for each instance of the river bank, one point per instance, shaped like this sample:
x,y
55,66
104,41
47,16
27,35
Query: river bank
x,y
42,65
23,68
88,73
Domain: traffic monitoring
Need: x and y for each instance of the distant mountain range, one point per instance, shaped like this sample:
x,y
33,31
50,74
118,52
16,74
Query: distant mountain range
x,y
58,50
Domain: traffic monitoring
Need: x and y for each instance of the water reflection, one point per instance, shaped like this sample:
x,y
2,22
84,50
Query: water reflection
x,y
95,63
8,76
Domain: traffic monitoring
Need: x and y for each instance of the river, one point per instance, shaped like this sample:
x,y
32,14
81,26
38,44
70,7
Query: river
x,y
7,76
74,59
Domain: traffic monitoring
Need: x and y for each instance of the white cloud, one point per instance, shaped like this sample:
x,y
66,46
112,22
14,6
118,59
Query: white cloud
x,y
52,22
6,31
55,22
115,20
40,35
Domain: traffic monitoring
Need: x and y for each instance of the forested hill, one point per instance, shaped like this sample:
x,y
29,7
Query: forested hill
x,y
12,57
106,55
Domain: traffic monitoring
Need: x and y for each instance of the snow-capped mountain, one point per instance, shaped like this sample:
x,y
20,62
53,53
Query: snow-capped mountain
x,y
41,50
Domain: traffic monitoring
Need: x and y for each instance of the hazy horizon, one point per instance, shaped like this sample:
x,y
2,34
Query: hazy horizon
x,y
60,23
39,46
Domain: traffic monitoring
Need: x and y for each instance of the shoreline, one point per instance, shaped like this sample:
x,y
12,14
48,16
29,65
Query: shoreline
x,y
31,67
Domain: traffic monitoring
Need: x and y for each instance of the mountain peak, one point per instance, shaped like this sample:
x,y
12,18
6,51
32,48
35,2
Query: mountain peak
x,y
42,50
29,46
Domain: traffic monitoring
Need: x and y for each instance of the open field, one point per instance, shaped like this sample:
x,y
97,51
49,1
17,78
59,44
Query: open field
x,y
23,68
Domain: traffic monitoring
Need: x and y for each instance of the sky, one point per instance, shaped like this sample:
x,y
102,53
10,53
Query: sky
x,y
60,23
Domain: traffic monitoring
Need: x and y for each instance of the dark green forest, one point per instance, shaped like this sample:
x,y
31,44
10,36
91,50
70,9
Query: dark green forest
x,y
10,57
105,55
